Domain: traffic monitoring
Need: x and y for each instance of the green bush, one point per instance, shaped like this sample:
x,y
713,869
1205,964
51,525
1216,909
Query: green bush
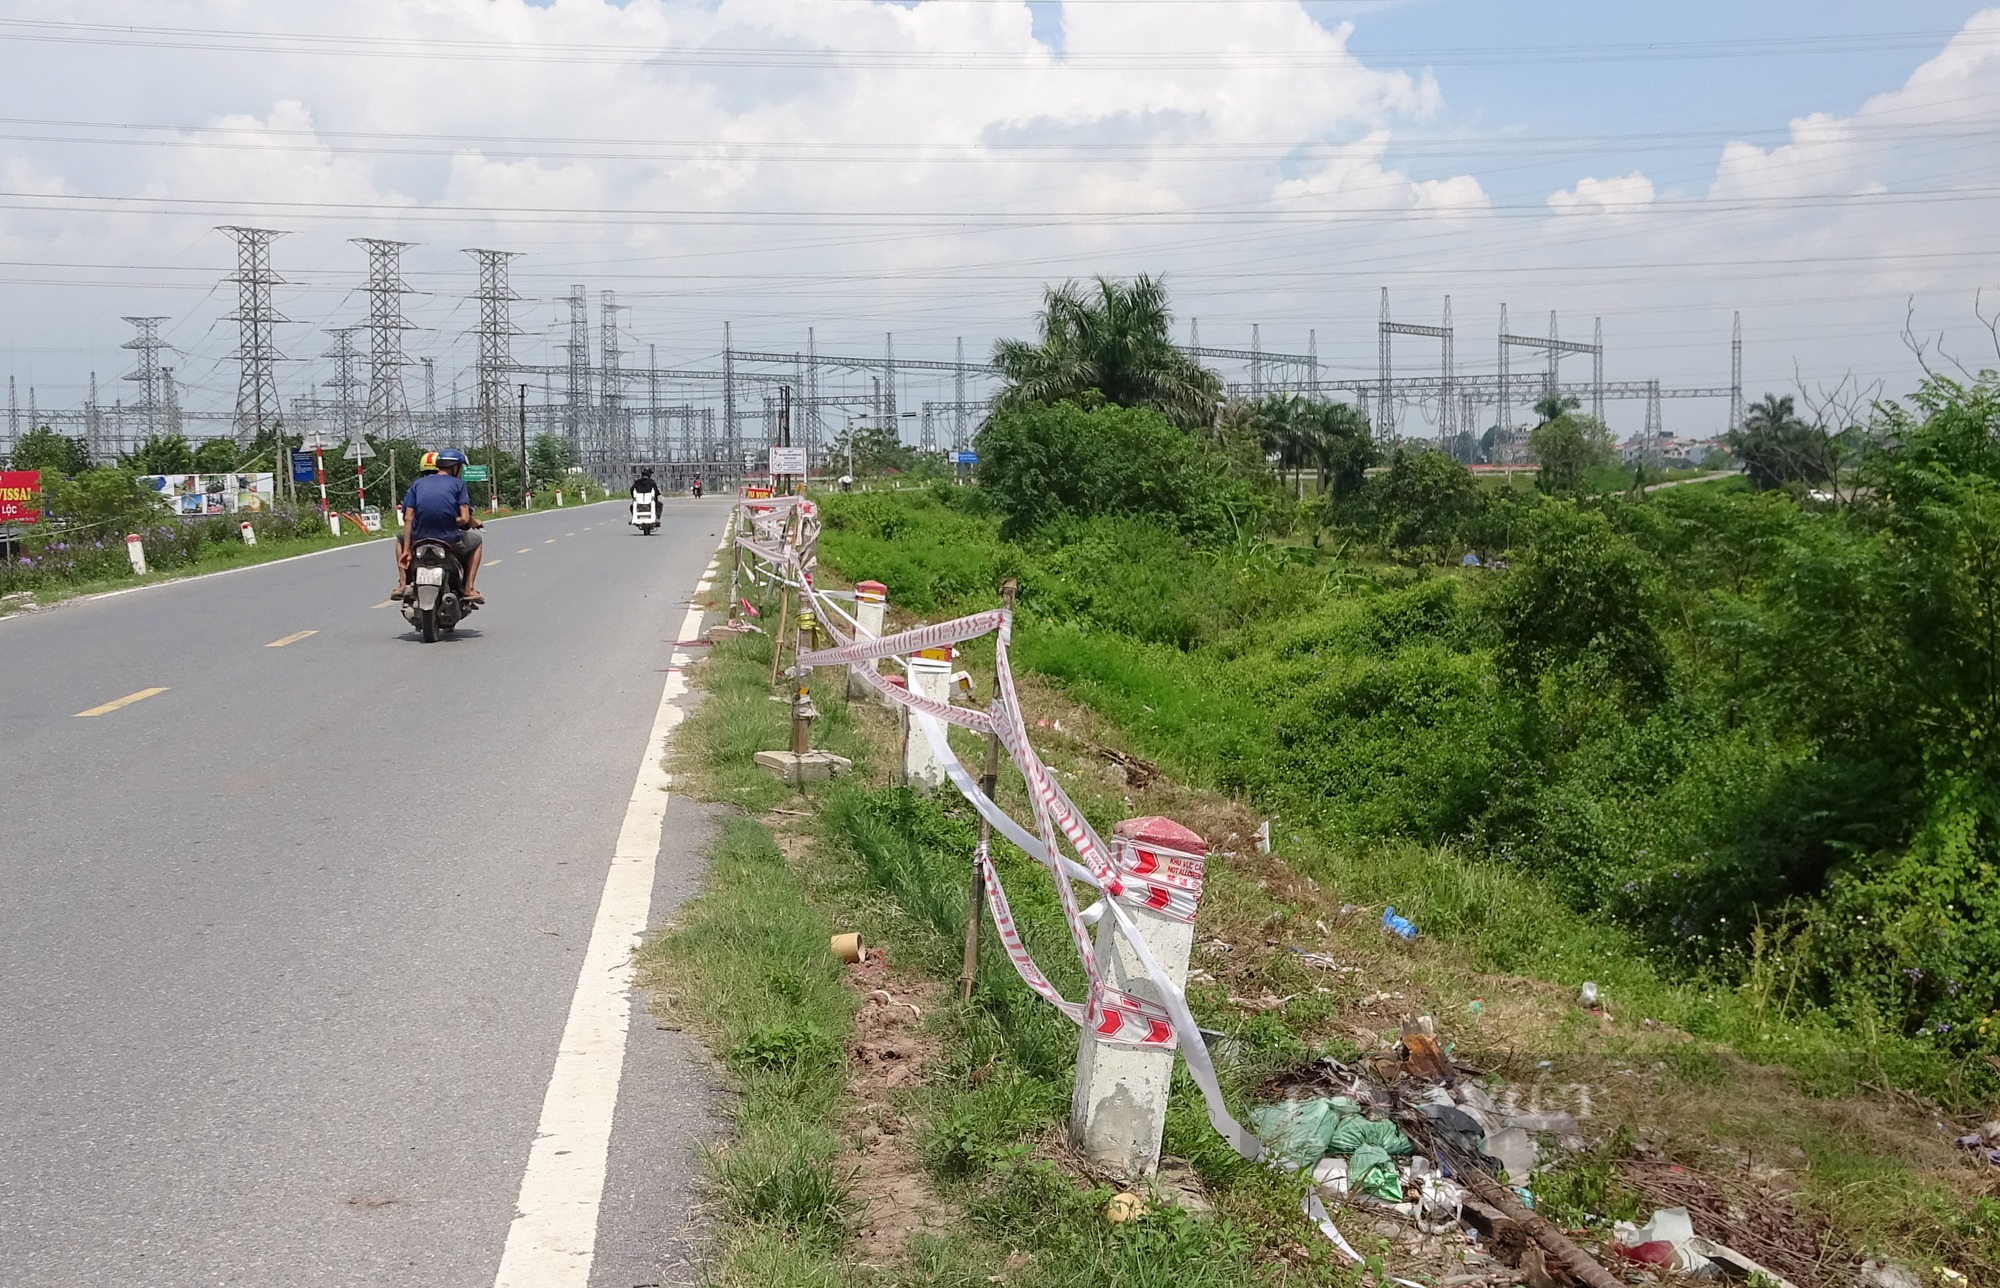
x,y
1042,463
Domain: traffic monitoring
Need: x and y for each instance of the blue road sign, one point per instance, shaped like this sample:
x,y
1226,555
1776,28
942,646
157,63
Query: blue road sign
x,y
965,458
302,467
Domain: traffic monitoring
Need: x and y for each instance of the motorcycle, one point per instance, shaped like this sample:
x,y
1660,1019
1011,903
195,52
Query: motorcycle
x,y
646,512
697,489
435,602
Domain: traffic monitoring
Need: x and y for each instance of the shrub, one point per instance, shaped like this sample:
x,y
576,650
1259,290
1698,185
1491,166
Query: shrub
x,y
1039,464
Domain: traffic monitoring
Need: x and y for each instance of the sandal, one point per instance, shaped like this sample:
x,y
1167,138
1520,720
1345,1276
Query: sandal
x,y
475,597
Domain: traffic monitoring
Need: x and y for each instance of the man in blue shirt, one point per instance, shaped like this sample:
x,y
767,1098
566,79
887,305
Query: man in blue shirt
x,y
438,508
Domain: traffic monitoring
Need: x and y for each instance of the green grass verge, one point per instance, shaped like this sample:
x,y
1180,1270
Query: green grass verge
x,y
213,558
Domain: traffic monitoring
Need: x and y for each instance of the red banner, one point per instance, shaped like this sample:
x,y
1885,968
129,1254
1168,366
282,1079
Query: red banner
x,y
20,496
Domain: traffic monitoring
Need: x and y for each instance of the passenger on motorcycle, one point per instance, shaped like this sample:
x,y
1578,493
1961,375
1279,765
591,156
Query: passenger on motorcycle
x,y
644,485
438,508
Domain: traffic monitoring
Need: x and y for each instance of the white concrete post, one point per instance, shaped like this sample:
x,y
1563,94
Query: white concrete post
x,y
558,498
930,675
333,522
871,601
1118,1112
136,552
249,533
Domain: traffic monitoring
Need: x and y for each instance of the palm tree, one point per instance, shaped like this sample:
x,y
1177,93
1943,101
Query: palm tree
x,y
1114,340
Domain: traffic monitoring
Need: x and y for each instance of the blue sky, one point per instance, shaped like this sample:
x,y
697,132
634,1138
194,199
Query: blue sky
x,y
858,169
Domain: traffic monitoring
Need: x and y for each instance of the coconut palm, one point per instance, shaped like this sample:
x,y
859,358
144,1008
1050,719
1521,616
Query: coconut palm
x,y
1114,340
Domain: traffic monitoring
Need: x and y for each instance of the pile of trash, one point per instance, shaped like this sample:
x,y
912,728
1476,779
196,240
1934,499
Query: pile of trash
x,y
1412,1136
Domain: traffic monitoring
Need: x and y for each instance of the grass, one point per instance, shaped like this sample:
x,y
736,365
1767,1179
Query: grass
x,y
1728,1079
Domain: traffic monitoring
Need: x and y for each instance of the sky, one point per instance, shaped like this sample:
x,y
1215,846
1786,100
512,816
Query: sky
x,y
925,169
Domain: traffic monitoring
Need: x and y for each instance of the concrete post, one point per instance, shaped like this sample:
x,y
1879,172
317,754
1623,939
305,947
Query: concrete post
x,y
135,552
871,601
1118,1112
930,675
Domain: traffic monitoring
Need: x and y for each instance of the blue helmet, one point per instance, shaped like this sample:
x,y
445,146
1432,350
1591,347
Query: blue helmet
x,y
451,456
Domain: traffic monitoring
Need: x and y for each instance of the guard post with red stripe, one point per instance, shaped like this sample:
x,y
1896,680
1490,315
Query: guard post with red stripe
x,y
871,604
1118,1111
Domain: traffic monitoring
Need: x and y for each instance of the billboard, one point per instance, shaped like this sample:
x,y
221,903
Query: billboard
x,y
191,494
20,496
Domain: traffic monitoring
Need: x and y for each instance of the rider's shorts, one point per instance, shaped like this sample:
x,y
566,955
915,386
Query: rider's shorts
x,y
468,541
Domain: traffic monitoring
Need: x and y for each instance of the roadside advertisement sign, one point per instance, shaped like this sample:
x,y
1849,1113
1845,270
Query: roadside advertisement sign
x,y
20,496
788,460
191,494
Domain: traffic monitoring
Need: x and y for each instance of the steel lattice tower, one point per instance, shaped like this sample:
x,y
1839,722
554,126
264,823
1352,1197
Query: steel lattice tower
x,y
152,404
345,381
1736,375
958,439
388,408
576,417
257,355
496,342
611,438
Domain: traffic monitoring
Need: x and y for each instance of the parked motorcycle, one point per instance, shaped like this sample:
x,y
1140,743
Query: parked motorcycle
x,y
435,601
646,512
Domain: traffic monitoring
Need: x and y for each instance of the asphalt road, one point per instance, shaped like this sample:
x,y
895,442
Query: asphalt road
x,y
286,949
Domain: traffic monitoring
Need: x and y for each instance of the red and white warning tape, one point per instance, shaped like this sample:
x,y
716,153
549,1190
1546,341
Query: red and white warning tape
x,y
1167,882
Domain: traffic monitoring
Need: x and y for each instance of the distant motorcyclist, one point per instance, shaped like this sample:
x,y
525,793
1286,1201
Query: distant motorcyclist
x,y
644,484
438,508
697,487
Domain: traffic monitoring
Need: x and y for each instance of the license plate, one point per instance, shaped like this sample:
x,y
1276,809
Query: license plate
x,y
430,576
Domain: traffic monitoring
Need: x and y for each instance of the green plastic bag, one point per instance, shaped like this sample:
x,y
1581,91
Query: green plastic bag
x,y
1355,1132
1369,1171
1297,1131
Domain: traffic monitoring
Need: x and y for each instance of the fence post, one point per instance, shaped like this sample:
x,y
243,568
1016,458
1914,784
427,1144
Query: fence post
x,y
1118,1112
871,602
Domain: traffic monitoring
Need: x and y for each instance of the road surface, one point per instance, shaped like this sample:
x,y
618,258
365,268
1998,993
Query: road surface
x,y
287,947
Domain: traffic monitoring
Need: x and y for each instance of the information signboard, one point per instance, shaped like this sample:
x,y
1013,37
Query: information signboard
x,y
474,474
20,496
788,460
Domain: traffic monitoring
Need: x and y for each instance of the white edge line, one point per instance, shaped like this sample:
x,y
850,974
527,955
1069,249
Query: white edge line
x,y
253,567
552,1241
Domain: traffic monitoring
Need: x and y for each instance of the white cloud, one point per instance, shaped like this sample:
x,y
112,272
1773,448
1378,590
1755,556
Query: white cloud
x,y
1624,195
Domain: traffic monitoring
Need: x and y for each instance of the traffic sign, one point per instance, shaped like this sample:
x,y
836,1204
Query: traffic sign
x,y
302,467
788,460
474,474
965,458
359,450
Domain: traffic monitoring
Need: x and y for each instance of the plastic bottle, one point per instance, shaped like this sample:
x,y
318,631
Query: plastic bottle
x,y
1397,926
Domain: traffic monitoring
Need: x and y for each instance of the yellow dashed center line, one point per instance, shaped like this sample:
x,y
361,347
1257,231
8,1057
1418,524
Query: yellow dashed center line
x,y
569,534
524,550
492,563
385,603
293,638
125,701
551,541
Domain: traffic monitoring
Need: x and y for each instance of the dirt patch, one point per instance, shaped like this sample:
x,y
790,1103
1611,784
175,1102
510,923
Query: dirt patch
x,y
888,1056
1749,1213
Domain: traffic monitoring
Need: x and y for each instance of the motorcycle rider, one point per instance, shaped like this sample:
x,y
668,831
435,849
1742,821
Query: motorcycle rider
x,y
438,508
697,487
644,485
426,464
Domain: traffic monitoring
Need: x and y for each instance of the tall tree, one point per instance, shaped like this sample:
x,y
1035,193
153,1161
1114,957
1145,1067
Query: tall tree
x,y
45,450
1778,448
1567,448
1115,340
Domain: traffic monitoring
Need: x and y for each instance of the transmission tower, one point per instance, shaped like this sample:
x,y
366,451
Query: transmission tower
x,y
13,415
430,402
576,417
611,439
257,318
152,401
496,344
889,385
345,381
388,410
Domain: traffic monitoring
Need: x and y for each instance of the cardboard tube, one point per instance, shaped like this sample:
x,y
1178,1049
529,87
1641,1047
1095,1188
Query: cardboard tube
x,y
848,948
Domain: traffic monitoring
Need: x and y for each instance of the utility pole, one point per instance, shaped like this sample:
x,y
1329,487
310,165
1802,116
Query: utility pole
x,y
388,408
496,340
343,384
785,425
1736,374
430,402
257,405
527,484
958,437
729,394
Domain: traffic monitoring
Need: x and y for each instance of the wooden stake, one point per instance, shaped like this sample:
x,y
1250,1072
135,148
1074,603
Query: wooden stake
x,y
989,783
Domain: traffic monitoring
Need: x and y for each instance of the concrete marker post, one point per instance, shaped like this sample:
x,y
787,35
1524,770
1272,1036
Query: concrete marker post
x,y
930,675
249,533
135,551
1118,1111
871,602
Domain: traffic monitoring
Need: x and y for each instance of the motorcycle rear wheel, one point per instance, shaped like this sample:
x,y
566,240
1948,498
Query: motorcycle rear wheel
x,y
427,624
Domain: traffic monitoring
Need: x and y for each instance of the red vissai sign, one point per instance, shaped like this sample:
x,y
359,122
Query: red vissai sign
x,y
20,496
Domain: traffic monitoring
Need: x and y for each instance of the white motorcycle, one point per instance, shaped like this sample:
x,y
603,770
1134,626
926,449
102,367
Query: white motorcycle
x,y
646,512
